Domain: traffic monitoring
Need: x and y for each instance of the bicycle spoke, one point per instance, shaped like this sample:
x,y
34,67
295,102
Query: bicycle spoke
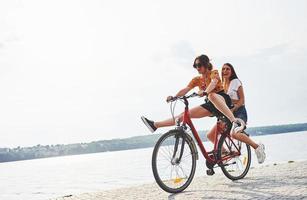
x,y
165,156
173,162
184,173
235,164
239,164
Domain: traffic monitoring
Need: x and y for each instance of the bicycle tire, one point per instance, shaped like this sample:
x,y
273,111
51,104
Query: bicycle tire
x,y
234,161
156,172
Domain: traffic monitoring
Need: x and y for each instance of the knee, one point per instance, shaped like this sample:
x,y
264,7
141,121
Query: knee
x,y
211,96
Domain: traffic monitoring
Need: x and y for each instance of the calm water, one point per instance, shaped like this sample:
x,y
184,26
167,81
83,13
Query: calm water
x,y
54,177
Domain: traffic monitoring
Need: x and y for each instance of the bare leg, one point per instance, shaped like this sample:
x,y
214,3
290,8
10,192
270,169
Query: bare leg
x,y
219,102
211,134
197,112
238,136
244,138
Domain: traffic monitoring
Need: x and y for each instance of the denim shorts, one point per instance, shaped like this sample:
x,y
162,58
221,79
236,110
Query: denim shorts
x,y
241,113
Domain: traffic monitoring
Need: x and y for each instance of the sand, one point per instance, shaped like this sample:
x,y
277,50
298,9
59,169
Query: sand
x,y
274,181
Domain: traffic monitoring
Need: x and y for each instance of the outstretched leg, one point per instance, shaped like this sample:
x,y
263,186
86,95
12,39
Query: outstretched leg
x,y
259,148
196,112
244,138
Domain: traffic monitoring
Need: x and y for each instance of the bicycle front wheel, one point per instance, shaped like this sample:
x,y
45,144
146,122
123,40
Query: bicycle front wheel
x,y
173,162
234,157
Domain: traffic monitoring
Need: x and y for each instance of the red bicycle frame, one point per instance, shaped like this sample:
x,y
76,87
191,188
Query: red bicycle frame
x,y
187,120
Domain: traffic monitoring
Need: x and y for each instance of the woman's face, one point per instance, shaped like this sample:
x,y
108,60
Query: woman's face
x,y
226,71
200,68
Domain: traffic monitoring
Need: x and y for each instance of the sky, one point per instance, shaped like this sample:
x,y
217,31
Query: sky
x,y
76,71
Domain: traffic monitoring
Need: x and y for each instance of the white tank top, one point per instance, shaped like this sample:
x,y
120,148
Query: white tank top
x,y
233,89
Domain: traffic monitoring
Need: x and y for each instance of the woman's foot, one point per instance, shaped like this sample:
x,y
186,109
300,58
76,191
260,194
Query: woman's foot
x,y
260,153
237,126
150,124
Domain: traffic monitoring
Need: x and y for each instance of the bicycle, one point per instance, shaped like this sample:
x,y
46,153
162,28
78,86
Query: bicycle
x,y
176,150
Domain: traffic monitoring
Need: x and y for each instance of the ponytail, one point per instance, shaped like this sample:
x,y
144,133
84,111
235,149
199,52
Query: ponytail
x,y
204,60
210,66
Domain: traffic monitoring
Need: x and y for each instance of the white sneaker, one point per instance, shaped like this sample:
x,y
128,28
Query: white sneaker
x,y
237,126
260,153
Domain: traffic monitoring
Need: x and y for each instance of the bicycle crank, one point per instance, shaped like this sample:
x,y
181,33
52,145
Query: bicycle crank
x,y
210,172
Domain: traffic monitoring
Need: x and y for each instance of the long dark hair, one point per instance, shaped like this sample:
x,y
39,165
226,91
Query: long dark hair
x,y
233,72
204,60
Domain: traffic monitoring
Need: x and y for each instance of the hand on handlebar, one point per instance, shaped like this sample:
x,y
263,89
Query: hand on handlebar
x,y
202,93
169,98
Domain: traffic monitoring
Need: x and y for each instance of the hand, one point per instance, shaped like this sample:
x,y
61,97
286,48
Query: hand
x,y
201,93
234,108
169,98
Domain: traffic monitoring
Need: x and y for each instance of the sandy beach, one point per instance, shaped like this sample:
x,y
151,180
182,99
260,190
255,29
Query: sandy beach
x,y
274,181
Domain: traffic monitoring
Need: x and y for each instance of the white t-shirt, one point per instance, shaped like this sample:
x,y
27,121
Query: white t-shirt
x,y
233,88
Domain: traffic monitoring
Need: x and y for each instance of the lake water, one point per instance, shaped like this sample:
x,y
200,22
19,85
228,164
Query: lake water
x,y
53,177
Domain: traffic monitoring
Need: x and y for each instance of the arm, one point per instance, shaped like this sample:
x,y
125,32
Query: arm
x,y
183,91
180,93
241,100
215,78
211,86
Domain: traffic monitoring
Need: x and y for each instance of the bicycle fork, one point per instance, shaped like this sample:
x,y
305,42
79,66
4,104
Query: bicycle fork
x,y
176,160
186,138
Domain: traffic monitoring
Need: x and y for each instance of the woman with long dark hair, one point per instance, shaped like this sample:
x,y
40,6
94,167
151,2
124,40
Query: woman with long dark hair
x,y
233,87
210,84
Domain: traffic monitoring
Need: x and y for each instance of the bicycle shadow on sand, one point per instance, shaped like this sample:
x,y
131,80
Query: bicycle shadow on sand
x,y
261,187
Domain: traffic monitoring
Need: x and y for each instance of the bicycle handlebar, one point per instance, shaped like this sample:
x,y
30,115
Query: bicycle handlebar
x,y
194,94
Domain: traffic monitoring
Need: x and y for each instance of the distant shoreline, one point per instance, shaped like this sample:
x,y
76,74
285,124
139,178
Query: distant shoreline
x,y
137,142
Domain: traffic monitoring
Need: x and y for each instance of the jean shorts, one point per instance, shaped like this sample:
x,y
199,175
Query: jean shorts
x,y
241,113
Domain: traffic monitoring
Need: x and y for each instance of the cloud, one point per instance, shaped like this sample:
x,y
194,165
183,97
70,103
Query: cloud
x,y
179,53
274,50
278,56
11,38
182,53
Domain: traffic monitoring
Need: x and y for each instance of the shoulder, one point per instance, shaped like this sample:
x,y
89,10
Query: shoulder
x,y
194,82
236,81
196,78
235,84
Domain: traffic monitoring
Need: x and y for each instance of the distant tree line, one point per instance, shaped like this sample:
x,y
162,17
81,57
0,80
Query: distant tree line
x,y
40,151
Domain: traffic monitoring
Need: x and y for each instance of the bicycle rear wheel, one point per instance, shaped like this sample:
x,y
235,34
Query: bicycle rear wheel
x,y
173,162
234,157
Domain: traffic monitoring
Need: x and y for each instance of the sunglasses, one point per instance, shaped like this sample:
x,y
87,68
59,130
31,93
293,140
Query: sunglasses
x,y
197,65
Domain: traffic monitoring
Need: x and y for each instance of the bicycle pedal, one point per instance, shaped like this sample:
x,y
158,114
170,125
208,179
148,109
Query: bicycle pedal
x,y
210,172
